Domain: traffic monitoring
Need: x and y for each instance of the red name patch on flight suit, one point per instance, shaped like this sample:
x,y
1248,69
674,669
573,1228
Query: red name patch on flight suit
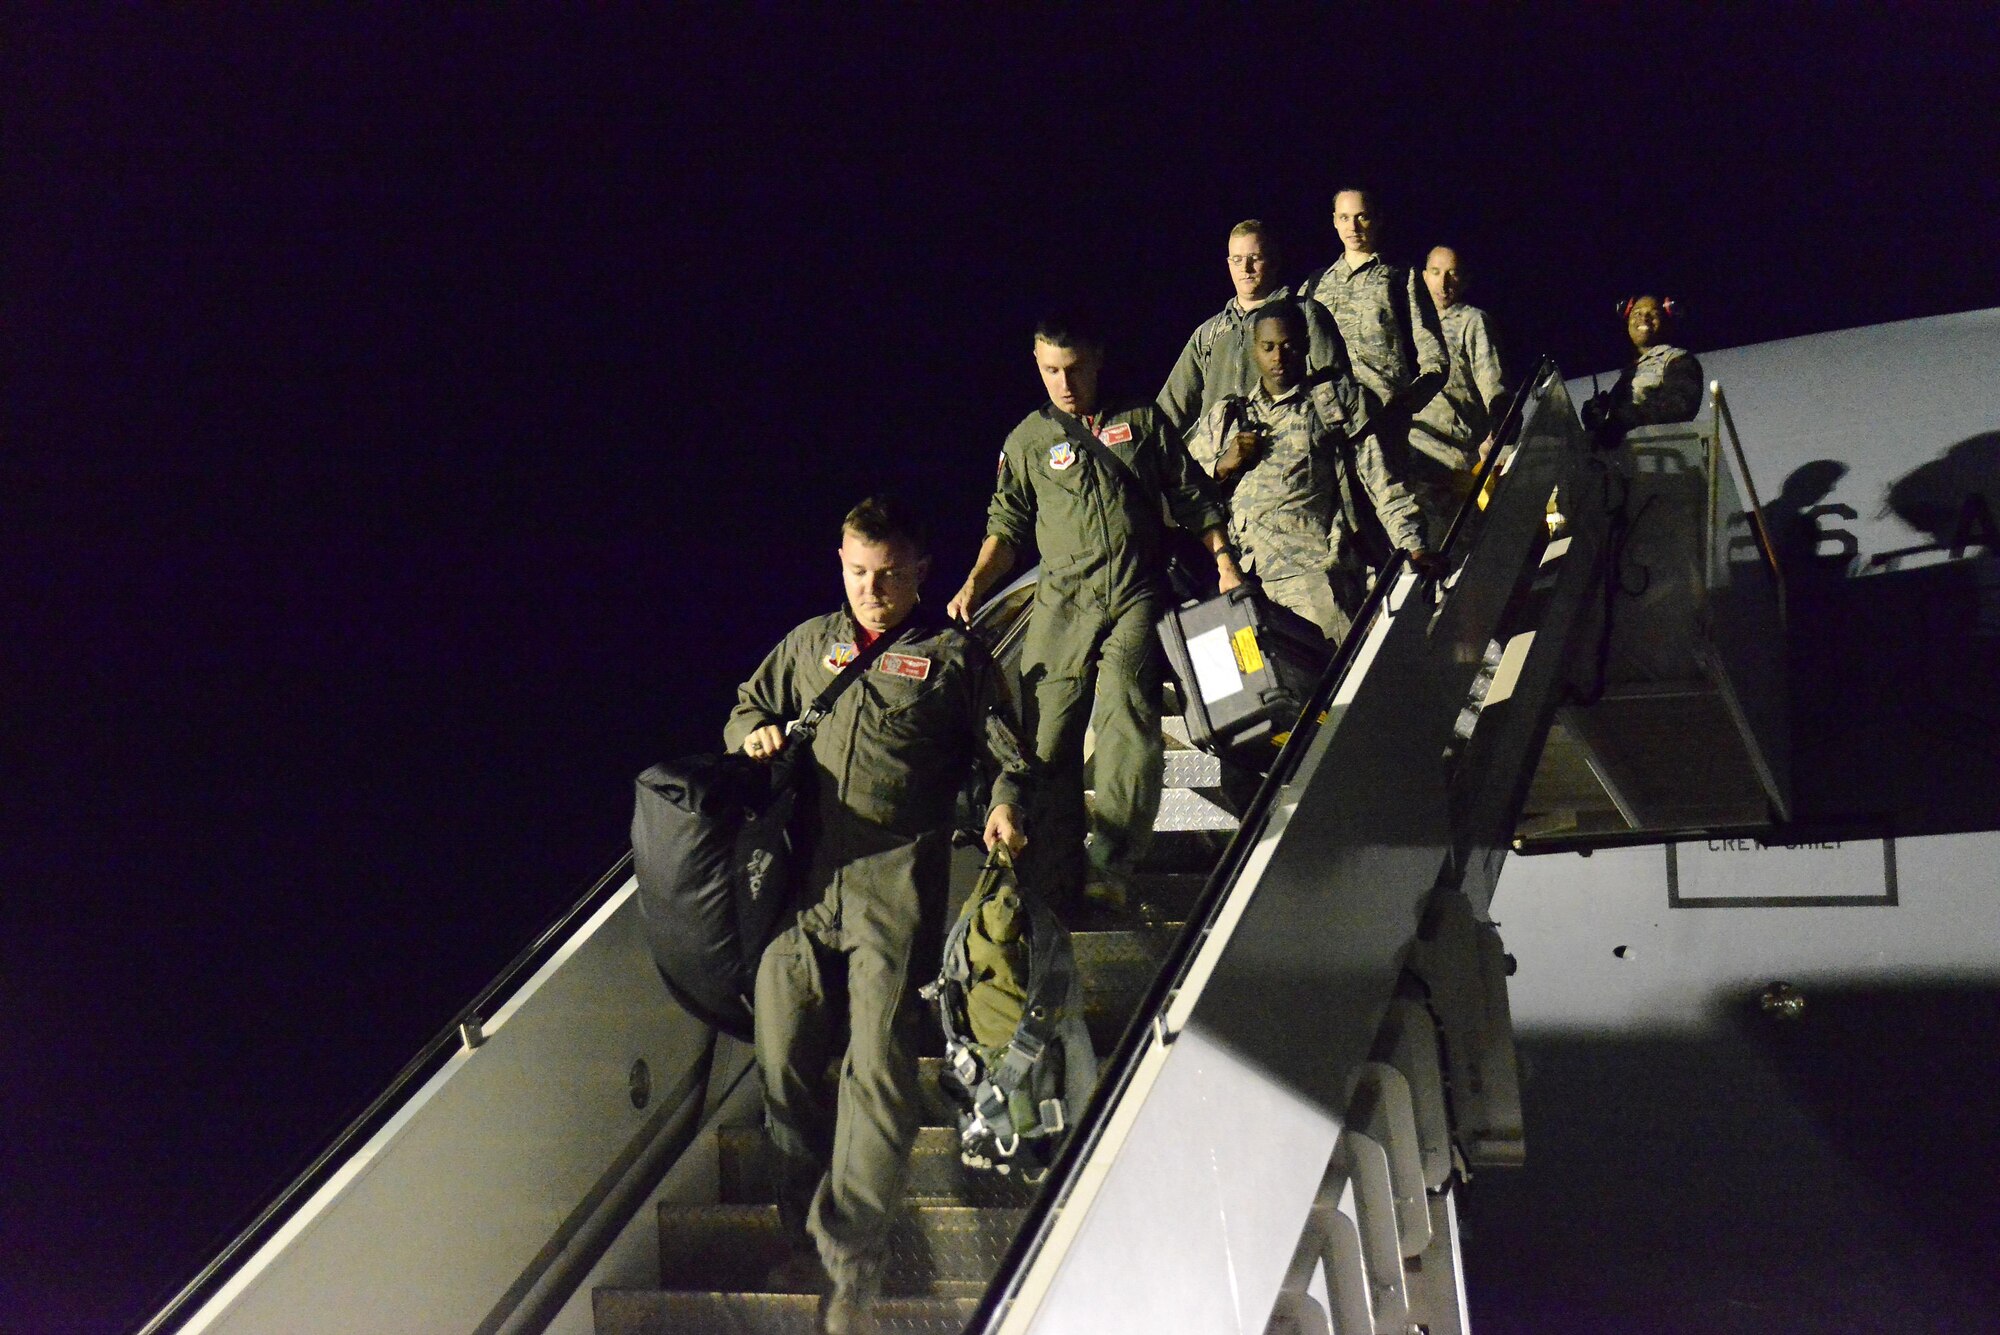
x,y
904,665
1116,435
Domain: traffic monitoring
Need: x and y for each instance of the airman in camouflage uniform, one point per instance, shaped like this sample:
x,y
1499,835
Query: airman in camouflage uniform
x,y
1303,472
1216,363
1385,316
1662,383
885,769
1087,484
1449,431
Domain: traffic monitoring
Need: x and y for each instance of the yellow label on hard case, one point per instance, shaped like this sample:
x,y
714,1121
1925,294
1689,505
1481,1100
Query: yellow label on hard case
x,y
1244,642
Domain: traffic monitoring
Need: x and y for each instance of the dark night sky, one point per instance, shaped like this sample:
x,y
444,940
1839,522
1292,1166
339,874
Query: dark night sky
x,y
413,426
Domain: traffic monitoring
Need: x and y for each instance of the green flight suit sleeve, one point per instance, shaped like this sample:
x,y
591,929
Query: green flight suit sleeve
x,y
770,696
1010,515
1180,398
1191,497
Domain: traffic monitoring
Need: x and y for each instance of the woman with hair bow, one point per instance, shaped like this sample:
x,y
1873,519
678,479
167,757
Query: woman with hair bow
x,y
1661,382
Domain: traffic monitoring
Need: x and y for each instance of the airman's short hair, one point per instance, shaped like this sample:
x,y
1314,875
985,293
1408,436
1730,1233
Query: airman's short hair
x,y
1284,309
1070,329
1367,196
1252,227
886,521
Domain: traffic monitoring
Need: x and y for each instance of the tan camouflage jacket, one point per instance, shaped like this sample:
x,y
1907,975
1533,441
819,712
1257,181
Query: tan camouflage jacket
x,y
1390,325
1295,509
1663,385
1461,414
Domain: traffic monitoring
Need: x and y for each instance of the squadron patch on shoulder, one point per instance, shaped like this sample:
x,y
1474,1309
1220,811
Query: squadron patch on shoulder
x,y
1062,456
1000,469
904,665
1116,435
839,656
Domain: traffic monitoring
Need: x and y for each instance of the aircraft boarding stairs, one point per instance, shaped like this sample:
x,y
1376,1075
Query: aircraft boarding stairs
x,y
1304,1041
1308,1047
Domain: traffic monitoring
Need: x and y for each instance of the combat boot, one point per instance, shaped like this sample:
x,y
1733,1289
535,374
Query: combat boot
x,y
850,1308
1107,890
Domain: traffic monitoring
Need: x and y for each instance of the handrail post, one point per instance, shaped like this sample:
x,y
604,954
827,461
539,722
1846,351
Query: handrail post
x,y
1724,418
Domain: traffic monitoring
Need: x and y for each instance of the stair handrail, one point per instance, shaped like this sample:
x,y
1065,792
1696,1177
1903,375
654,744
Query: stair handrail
x,y
465,1029
1726,419
1503,436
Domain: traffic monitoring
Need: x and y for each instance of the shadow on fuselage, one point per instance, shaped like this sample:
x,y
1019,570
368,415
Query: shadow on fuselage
x,y
1892,660
1952,497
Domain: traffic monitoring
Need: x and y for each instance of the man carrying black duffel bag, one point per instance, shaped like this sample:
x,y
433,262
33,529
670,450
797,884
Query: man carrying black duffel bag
x,y
874,859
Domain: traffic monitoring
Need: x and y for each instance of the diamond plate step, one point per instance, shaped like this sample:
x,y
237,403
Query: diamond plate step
x,y
1102,956
934,1250
1188,768
1184,810
937,1177
658,1312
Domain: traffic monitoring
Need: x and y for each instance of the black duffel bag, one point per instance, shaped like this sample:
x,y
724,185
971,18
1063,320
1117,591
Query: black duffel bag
x,y
711,846
712,851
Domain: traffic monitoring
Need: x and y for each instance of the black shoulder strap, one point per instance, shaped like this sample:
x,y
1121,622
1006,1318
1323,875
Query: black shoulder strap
x,y
1406,318
816,712
1095,448
1237,412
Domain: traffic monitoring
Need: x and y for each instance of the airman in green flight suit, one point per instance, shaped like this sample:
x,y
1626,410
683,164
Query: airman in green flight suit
x,y
886,766
1087,483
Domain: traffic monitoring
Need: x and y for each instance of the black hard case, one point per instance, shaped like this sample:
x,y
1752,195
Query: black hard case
x,y
1260,663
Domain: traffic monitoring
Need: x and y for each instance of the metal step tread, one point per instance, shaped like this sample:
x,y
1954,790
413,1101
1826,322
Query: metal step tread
x,y
1192,810
735,1247
937,1176
666,1312
1123,947
1186,767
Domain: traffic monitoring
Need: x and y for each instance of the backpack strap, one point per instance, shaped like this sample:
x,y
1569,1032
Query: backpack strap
x,y
786,768
1302,291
